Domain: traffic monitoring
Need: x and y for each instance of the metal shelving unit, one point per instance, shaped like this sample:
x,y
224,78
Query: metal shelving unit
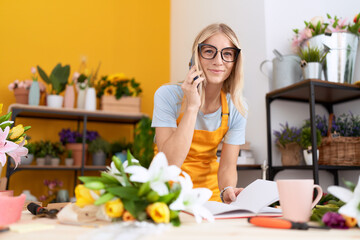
x,y
79,115
313,92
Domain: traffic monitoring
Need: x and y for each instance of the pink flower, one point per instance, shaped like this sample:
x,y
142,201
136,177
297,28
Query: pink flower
x,y
11,86
33,70
18,152
21,85
5,145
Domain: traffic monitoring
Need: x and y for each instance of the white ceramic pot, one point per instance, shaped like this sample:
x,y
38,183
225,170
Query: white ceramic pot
x,y
90,99
69,162
40,161
54,101
27,160
308,156
55,161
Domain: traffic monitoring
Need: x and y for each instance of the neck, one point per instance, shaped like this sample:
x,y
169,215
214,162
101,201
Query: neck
x,y
212,98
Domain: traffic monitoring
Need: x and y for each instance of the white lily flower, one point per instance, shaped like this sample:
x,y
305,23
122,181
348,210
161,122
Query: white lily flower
x,y
113,171
193,199
158,174
352,199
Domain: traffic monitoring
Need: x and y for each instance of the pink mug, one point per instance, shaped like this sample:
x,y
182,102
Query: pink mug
x,y
296,198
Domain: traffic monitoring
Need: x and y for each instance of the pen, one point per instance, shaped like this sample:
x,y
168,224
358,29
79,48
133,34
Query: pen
x,y
281,223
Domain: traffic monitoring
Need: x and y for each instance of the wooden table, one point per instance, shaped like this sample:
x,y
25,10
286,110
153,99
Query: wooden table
x,y
219,230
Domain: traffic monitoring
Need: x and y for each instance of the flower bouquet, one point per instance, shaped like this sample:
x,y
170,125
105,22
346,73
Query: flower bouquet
x,y
128,192
12,140
340,208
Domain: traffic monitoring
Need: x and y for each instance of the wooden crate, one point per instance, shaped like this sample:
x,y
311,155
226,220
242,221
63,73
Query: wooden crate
x,y
124,104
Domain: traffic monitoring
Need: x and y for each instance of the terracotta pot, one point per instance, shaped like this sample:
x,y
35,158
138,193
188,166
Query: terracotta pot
x,y
21,95
76,149
291,155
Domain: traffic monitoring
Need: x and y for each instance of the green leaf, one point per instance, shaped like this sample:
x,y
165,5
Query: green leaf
x,y
107,178
86,179
167,198
130,193
144,189
129,157
120,167
350,185
174,214
175,222
136,208
104,198
152,196
5,117
43,75
95,185
59,78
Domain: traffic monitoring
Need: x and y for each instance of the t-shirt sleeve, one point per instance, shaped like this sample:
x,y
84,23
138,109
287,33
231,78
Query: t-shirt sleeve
x,y
166,101
237,126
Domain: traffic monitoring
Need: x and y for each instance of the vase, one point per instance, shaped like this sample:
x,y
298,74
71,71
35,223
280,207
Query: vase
x,y
27,160
312,70
340,62
124,104
80,103
11,208
54,101
34,94
55,161
308,157
90,99
77,149
291,155
29,196
99,158
69,96
21,95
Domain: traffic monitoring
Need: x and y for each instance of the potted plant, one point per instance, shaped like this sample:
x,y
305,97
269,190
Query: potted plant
x,y
306,143
58,150
312,59
27,160
288,142
69,161
119,149
118,93
57,81
99,149
72,140
39,153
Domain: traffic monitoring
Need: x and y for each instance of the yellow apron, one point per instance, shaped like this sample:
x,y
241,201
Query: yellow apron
x,y
201,162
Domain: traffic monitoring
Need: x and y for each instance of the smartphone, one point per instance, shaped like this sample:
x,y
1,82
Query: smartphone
x,y
191,63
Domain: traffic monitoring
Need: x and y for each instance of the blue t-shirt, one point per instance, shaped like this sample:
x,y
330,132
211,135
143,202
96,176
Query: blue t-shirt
x,y
167,104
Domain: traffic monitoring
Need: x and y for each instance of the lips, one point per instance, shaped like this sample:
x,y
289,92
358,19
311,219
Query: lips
x,y
216,71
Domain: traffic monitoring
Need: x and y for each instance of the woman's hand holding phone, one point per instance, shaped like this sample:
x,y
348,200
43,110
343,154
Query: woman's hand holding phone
x,y
190,89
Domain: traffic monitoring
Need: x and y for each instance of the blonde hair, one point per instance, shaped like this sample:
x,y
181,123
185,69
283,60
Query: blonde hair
x,y
234,84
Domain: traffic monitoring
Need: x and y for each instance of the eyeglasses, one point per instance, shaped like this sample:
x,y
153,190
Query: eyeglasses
x,y
228,54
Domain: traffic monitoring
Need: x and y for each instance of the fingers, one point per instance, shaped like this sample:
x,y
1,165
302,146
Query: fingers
x,y
229,195
192,74
238,190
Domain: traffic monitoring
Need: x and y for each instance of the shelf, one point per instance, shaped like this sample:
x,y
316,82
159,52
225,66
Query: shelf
x,y
321,167
326,92
60,167
44,112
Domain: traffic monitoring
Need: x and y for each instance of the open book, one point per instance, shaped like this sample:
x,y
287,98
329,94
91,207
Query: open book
x,y
252,201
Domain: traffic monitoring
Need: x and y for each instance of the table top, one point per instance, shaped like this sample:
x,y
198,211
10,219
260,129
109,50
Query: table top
x,y
45,229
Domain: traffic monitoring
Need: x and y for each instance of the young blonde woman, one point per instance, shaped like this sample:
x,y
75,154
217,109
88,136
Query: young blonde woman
x,y
192,118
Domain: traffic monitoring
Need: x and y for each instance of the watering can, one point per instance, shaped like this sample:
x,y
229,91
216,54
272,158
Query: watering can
x,y
286,70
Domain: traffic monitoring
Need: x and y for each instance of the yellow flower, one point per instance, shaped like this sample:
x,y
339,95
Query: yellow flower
x,y
114,208
1,105
127,217
83,196
20,140
349,221
116,77
110,91
159,212
16,132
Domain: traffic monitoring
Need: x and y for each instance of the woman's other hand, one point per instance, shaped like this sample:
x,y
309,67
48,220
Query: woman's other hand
x,y
230,194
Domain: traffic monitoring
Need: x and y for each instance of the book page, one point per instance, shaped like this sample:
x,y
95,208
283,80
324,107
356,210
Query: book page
x,y
257,195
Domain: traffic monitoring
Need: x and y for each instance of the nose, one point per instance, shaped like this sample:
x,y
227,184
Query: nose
x,y
218,60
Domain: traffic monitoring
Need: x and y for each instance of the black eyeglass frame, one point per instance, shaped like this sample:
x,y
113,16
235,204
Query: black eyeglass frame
x,y
238,50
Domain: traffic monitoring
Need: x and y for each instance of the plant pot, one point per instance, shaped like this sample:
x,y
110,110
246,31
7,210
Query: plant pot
x,y
69,162
90,99
124,104
27,160
77,149
312,70
99,158
69,96
55,161
80,103
308,156
21,95
11,208
34,94
291,155
40,161
54,101
48,159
